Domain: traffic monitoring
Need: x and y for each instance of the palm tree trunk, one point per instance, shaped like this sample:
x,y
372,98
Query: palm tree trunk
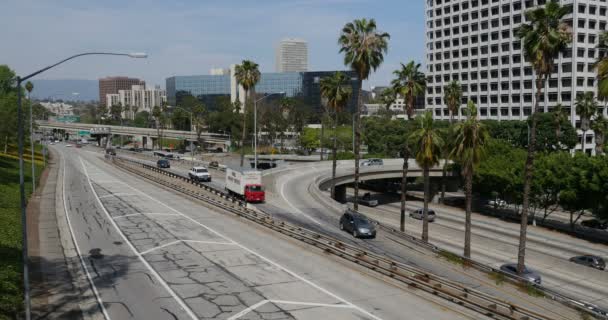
x,y
406,155
583,142
467,219
244,134
334,159
425,212
529,170
443,178
322,136
357,143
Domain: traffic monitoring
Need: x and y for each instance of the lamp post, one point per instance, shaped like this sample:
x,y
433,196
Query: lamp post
x,y
20,80
255,127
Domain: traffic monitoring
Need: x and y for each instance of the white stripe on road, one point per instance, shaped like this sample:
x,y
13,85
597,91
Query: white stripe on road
x,y
145,214
116,195
141,258
310,304
186,241
84,265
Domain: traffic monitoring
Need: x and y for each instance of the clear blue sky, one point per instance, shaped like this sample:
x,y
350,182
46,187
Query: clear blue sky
x,y
191,36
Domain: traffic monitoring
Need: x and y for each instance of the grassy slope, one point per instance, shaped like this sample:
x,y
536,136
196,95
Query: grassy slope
x,y
11,288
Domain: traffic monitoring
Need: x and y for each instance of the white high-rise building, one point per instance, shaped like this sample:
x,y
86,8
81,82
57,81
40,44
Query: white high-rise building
x,y
292,55
139,98
474,42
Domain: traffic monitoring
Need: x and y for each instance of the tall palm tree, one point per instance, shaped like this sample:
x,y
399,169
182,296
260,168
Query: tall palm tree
x,y
559,116
364,48
602,66
286,108
470,141
409,83
247,75
544,36
428,144
586,108
452,95
337,91
157,113
600,129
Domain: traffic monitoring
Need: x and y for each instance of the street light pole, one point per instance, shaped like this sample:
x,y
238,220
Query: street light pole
x,y
255,127
26,284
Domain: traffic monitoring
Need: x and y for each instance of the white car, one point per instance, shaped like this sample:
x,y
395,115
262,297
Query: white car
x,y
199,174
418,214
68,145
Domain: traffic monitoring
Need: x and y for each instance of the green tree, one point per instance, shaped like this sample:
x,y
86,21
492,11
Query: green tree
x,y
586,108
142,119
546,140
544,36
102,113
409,83
559,117
428,144
387,98
157,113
364,48
602,66
600,129
247,75
452,96
199,116
469,149
336,90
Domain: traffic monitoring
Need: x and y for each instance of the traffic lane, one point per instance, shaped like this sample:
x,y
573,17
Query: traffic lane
x,y
370,294
558,274
125,286
292,186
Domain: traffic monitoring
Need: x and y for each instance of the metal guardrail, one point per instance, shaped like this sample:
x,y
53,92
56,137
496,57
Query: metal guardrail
x,y
403,273
583,306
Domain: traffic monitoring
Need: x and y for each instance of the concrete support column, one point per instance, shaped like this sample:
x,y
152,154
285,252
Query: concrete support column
x,y
340,194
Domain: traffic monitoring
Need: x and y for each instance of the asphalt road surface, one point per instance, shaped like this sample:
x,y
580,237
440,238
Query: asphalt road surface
x,y
153,254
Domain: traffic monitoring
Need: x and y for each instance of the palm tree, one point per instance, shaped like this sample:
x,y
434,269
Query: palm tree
x,y
387,98
470,141
156,113
409,83
287,104
337,91
364,48
452,96
247,75
428,144
544,36
600,128
602,66
559,116
586,108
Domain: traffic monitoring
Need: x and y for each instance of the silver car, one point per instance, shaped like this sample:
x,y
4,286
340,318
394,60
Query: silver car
x,y
528,274
418,214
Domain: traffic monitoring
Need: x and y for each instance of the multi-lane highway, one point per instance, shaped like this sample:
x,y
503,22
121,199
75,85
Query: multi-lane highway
x,y
494,241
153,254
289,198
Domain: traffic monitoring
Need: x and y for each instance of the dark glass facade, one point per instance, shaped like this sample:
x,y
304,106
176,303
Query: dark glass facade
x,y
302,85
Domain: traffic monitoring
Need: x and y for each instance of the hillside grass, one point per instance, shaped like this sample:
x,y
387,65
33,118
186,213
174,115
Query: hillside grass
x,y
11,264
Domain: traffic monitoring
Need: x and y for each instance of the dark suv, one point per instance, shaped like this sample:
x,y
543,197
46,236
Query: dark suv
x,y
357,224
163,163
595,224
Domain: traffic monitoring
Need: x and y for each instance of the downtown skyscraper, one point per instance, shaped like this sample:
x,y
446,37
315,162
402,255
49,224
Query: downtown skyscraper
x,y
474,42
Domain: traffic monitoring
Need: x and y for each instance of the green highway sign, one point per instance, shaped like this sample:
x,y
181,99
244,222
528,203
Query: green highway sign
x,y
84,132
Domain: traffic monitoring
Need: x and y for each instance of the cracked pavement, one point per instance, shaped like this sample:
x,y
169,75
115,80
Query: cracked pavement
x,y
182,260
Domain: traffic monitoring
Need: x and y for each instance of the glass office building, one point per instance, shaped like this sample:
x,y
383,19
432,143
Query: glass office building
x,y
301,85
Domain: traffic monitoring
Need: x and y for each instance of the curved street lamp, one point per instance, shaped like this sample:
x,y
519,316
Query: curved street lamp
x,y
255,126
20,80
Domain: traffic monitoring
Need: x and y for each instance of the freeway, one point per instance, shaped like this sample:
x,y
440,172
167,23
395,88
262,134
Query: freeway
x,y
494,241
289,198
153,254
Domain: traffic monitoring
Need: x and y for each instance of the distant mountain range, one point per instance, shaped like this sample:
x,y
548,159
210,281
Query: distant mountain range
x,y
64,89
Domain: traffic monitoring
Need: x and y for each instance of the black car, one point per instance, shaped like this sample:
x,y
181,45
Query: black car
x,y
111,151
163,163
595,224
357,224
590,261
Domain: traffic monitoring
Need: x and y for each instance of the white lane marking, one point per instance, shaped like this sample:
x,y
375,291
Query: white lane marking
x,y
106,181
146,213
282,192
312,284
186,241
84,265
141,258
311,304
118,194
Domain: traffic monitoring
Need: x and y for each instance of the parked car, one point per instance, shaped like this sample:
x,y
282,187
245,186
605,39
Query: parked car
x,y
372,162
163,163
595,224
357,224
497,203
78,145
528,274
214,164
418,213
590,261
367,200
111,151
199,174
68,145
